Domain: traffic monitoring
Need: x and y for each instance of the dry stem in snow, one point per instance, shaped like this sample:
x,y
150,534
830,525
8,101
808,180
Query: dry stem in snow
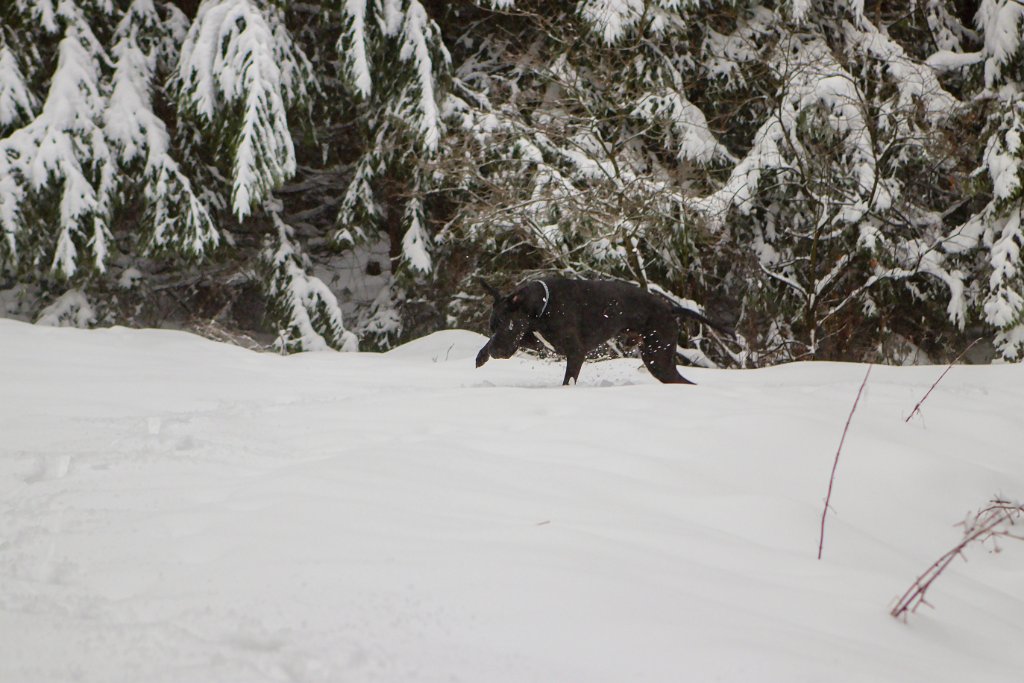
x,y
835,464
917,408
998,520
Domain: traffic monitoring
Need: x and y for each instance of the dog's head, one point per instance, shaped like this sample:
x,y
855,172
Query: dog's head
x,y
512,317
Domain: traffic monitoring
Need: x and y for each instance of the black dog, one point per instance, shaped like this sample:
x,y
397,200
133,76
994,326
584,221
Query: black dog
x,y
575,316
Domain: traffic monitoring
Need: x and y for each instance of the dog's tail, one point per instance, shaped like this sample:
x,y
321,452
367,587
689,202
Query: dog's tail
x,y
690,313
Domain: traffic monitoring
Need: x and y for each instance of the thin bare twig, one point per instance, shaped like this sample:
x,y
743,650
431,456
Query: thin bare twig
x,y
832,478
917,408
990,523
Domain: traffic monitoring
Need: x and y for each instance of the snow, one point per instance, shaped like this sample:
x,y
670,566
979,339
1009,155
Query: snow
x,y
174,509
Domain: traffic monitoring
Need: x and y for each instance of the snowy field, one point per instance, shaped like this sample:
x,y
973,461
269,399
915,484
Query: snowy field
x,y
173,509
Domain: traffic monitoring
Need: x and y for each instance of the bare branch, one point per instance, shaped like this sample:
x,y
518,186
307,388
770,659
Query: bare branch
x,y
995,521
831,479
917,408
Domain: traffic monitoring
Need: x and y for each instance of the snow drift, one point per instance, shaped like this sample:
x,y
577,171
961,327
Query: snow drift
x,y
172,509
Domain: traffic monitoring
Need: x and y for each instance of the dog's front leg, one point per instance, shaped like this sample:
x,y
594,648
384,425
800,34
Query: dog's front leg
x,y
484,355
574,361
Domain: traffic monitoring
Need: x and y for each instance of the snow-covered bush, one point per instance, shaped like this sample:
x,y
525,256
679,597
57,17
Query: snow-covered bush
x,y
71,309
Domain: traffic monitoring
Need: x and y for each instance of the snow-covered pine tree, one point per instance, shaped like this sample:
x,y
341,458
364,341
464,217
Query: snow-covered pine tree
x,y
820,197
71,168
96,170
987,246
395,66
57,170
238,75
177,219
308,315
604,140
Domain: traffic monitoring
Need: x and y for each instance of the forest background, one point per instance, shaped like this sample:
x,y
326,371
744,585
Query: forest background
x,y
834,179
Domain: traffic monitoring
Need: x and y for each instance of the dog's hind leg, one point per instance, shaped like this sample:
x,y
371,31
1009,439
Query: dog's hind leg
x,y
659,353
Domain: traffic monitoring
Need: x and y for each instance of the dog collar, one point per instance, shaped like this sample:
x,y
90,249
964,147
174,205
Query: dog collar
x,y
547,297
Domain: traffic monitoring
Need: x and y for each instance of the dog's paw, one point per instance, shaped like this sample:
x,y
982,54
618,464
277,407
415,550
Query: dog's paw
x,y
482,357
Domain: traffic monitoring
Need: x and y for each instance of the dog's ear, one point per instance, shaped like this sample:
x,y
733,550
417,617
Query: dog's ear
x,y
489,288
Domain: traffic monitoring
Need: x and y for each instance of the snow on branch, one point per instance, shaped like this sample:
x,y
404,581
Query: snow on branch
x,y
41,11
687,124
359,210
916,83
1004,303
999,21
420,39
741,187
415,241
308,315
800,9
63,151
17,103
178,218
812,79
240,74
611,19
352,46
71,309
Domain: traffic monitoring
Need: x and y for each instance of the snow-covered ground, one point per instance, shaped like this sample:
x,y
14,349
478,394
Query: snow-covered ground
x,y
173,509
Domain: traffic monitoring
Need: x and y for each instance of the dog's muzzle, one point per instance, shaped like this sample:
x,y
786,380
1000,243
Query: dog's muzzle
x,y
501,353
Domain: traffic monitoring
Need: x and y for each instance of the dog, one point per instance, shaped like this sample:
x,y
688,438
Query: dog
x,y
574,317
